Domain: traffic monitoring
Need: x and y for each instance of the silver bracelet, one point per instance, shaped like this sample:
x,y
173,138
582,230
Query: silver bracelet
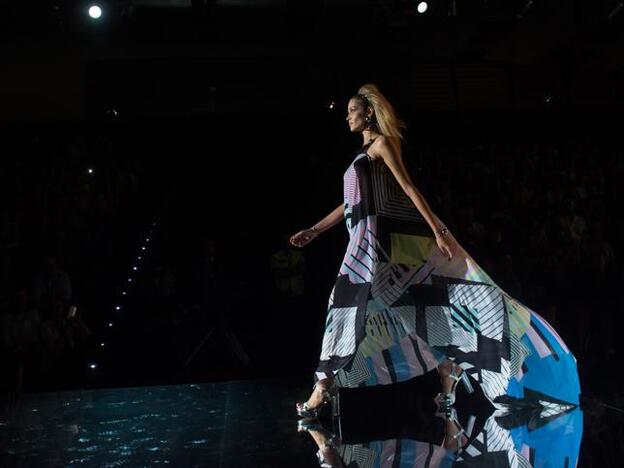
x,y
442,231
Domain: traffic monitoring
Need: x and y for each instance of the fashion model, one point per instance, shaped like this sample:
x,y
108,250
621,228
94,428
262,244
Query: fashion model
x,y
409,299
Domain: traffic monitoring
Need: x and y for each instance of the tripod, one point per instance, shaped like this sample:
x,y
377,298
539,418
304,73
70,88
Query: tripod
x,y
223,329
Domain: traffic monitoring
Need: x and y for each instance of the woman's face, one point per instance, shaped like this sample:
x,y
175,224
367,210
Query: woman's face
x,y
356,115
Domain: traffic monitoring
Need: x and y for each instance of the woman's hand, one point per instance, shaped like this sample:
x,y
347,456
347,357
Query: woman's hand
x,y
303,237
445,243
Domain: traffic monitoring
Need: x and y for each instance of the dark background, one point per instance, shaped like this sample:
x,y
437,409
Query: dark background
x,y
221,125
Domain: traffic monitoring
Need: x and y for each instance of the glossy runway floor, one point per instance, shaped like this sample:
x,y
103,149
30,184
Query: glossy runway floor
x,y
253,424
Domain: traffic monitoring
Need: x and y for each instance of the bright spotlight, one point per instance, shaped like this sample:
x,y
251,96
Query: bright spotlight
x,y
422,7
95,11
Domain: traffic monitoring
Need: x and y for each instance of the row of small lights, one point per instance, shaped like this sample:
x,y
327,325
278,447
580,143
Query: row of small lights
x,y
140,256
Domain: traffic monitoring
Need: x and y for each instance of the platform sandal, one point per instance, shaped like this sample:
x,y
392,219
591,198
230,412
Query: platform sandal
x,y
447,399
305,411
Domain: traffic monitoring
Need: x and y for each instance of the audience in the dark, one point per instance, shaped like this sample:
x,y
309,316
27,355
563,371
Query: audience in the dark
x,y
65,199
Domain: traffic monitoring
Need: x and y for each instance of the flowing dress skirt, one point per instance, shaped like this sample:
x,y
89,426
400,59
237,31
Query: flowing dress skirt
x,y
399,307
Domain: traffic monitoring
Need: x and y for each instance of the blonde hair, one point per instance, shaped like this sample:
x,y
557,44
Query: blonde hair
x,y
387,121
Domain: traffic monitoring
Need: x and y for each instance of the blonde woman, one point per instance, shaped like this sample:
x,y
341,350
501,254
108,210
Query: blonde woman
x,y
408,298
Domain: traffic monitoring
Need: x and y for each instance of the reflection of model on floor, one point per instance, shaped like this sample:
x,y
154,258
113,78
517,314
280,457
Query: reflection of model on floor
x,y
450,375
327,454
522,437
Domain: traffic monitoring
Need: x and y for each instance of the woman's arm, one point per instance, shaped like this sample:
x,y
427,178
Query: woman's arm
x,y
303,237
330,220
396,166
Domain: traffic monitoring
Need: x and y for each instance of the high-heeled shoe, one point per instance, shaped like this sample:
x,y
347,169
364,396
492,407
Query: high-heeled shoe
x,y
312,424
306,411
450,414
447,399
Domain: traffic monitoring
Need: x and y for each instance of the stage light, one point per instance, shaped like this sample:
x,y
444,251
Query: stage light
x,y
93,365
118,307
102,345
139,257
90,170
422,7
142,247
135,268
123,293
129,280
331,105
110,324
147,239
95,11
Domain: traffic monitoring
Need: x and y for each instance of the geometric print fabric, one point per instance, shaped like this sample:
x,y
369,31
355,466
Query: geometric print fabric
x,y
400,307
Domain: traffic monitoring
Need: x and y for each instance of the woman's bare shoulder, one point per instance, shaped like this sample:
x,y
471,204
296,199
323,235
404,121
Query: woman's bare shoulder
x,y
381,140
384,149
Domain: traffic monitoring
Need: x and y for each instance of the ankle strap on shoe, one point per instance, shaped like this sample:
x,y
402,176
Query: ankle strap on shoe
x,y
330,442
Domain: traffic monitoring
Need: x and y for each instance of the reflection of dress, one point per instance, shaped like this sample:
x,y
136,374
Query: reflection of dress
x,y
390,453
399,306
556,443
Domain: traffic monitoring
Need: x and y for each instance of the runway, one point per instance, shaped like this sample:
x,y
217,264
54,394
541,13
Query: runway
x,y
253,424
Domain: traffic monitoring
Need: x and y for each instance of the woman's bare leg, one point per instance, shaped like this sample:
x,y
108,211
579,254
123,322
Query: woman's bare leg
x,y
327,449
444,369
316,397
450,443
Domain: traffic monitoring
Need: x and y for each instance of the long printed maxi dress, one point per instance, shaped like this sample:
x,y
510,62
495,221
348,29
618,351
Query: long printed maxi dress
x,y
399,307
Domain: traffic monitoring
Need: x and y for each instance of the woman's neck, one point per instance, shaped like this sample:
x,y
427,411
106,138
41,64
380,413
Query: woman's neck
x,y
369,136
